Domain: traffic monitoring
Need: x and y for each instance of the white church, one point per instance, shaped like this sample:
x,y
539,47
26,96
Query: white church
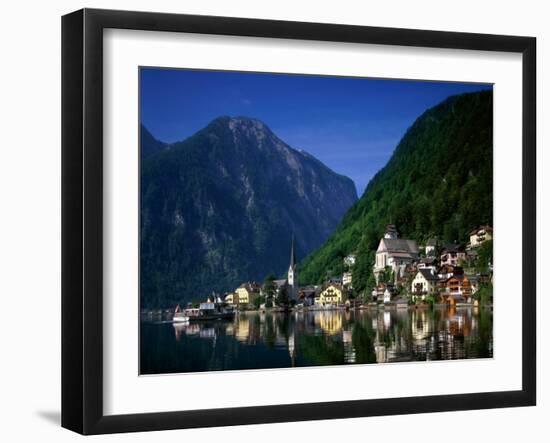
x,y
394,252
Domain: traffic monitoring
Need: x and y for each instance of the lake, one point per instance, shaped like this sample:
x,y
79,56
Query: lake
x,y
255,340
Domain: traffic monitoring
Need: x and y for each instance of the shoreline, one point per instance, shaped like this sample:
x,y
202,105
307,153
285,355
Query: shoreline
x,y
165,312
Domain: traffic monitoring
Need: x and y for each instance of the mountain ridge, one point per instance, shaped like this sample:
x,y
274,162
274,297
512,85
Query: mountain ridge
x,y
220,207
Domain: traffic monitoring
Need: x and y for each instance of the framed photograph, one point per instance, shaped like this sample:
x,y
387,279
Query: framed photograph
x,y
269,221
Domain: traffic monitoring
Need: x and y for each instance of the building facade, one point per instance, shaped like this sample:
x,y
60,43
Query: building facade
x,y
395,253
457,289
347,279
480,235
246,294
331,295
424,283
452,255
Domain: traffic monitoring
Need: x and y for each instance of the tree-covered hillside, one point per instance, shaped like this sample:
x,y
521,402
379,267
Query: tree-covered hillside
x,y
438,182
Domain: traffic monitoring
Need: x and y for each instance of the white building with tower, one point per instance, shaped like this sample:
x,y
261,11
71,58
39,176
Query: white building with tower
x,y
395,253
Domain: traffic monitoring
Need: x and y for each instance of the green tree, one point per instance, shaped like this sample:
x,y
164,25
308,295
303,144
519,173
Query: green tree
x,y
438,183
258,301
269,290
484,257
484,295
283,300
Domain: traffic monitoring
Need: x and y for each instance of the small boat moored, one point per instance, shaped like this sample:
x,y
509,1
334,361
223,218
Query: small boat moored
x,y
209,310
180,316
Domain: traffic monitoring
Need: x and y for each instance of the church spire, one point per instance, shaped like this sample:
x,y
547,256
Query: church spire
x,y
292,277
292,254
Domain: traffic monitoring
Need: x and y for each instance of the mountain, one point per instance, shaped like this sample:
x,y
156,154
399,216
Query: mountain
x,y
220,208
438,182
149,145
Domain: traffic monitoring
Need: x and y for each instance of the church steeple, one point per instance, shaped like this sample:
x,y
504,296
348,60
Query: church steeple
x,y
292,254
292,277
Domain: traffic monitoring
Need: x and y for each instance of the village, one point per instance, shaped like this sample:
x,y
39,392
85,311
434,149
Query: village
x,y
405,274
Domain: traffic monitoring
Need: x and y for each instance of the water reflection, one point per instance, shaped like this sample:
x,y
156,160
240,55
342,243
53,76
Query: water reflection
x,y
274,340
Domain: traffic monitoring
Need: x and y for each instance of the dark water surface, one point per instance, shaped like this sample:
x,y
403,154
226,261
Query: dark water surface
x,y
256,340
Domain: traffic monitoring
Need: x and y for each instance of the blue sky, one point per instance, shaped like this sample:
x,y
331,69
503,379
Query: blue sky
x,y
350,124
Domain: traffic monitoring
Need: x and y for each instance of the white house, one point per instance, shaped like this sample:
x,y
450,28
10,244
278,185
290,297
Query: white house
x,y
424,283
347,278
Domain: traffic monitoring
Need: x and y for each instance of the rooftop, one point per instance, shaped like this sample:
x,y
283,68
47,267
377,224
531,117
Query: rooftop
x,y
393,245
428,274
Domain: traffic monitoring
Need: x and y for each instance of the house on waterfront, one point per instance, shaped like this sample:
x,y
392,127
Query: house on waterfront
x,y
394,252
453,255
389,293
457,289
480,235
246,294
424,283
333,294
384,292
307,294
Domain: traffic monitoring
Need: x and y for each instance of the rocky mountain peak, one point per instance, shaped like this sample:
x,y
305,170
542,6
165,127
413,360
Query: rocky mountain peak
x,y
221,206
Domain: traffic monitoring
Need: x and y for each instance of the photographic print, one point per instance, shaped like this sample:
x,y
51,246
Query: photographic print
x,y
292,220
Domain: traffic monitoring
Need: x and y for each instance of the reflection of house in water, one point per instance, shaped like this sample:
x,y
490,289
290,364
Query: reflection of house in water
x,y
337,337
242,329
329,322
393,336
387,320
349,350
421,327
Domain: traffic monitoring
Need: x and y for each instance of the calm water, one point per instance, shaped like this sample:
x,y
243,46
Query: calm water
x,y
276,340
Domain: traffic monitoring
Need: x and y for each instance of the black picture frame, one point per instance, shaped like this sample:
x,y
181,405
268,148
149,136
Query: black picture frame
x,y
82,218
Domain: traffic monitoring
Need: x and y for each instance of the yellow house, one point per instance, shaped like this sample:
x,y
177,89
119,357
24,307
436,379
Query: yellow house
x,y
332,294
246,293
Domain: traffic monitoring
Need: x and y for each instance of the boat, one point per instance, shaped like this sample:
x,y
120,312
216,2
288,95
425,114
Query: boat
x,y
210,310
180,317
